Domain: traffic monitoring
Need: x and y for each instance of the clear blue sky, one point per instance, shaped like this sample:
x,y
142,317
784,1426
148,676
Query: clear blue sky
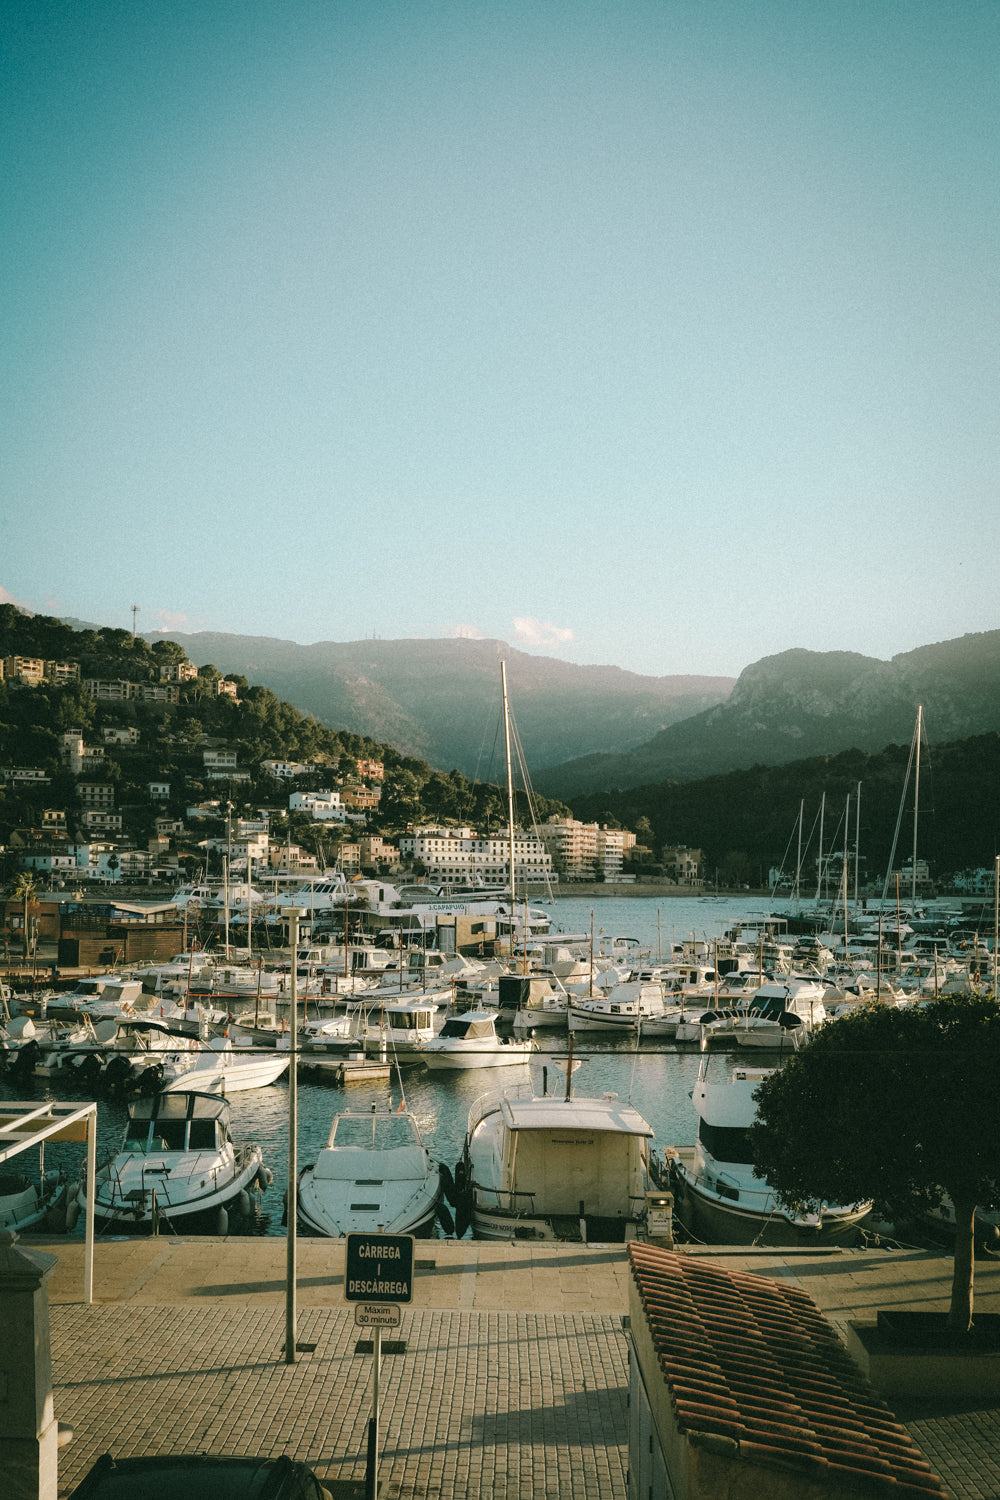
x,y
661,333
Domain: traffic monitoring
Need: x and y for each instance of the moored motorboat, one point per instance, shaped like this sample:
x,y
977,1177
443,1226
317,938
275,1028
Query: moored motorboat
x,y
218,1067
375,1175
179,1166
554,1168
472,1041
25,1203
400,1026
622,1008
719,1196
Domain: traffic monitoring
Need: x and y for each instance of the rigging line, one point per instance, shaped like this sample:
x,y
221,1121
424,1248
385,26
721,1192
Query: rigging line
x,y
529,790
902,808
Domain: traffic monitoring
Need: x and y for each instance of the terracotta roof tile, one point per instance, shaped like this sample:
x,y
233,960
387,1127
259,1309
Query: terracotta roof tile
x,y
753,1368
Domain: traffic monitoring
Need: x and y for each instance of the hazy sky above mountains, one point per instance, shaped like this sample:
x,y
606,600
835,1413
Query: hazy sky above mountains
x,y
660,333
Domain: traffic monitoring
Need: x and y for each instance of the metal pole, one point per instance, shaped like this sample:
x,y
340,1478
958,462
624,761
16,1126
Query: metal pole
x,y
88,1253
376,1361
292,913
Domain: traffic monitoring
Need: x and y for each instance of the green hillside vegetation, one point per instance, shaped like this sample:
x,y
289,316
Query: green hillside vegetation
x,y
746,821
172,736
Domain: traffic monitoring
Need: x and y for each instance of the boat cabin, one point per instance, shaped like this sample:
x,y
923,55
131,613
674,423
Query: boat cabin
x,y
177,1122
473,1026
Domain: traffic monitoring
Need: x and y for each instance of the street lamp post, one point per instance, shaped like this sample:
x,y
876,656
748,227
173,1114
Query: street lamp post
x,y
292,915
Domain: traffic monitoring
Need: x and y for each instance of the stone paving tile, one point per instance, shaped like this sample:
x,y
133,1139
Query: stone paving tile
x,y
480,1403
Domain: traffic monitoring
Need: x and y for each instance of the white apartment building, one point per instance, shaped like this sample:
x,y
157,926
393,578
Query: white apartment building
x,y
583,849
458,856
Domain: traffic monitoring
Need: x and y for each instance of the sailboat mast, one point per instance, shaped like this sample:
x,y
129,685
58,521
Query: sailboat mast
x,y
819,858
857,841
916,804
510,793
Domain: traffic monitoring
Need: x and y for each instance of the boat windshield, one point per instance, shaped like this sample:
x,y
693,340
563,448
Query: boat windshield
x,y
374,1132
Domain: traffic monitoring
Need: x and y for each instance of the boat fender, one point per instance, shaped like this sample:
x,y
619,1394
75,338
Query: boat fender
x,y
243,1203
264,1178
222,1222
448,1184
463,1219
72,1211
444,1218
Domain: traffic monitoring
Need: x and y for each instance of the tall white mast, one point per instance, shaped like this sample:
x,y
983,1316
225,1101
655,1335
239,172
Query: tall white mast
x,y
510,793
916,803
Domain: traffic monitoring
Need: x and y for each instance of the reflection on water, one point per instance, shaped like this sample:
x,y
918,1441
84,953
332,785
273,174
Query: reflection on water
x,y
657,1082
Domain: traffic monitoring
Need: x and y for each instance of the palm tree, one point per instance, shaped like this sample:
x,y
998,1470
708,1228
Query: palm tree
x,y
25,889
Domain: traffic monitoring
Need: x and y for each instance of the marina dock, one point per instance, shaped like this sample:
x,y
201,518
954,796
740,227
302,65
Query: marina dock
x,y
509,1375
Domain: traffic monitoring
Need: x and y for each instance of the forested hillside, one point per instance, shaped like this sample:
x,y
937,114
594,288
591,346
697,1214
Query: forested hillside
x,y
258,726
747,821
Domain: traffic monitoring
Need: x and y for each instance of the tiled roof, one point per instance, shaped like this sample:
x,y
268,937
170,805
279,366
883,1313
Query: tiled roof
x,y
754,1369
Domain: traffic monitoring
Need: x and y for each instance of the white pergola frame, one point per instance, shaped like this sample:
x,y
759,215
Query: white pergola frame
x,y
24,1124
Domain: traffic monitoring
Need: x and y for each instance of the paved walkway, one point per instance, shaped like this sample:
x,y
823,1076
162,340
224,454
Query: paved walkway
x,y
511,1375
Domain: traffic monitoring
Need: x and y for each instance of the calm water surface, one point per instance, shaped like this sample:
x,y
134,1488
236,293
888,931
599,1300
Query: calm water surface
x,y
657,1082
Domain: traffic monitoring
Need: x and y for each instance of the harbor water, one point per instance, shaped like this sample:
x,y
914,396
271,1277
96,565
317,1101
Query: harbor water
x,y
656,1078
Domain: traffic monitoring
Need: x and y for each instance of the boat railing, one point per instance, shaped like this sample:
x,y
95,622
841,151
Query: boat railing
x,y
488,1104
504,1200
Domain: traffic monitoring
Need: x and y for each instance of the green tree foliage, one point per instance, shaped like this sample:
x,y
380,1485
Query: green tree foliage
x,y
897,1105
757,809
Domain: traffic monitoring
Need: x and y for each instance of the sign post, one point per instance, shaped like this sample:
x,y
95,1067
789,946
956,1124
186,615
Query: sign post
x,y
378,1276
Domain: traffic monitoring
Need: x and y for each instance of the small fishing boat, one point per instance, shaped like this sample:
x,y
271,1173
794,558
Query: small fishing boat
x,y
178,1166
623,1008
375,1175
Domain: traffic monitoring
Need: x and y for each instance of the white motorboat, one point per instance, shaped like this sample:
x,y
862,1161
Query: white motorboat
x,y
103,995
782,1012
375,1175
218,1068
25,1203
622,1008
719,1195
472,1041
178,1166
554,1168
400,1026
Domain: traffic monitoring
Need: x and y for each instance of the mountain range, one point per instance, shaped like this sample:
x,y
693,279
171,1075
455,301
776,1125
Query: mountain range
x,y
439,700
586,729
805,703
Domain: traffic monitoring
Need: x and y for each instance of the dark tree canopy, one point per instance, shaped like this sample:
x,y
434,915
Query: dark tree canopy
x,y
896,1104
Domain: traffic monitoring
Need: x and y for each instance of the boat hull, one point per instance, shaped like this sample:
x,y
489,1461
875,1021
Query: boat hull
x,y
721,1221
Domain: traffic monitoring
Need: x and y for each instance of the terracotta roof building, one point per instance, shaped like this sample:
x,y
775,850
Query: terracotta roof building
x,y
739,1386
